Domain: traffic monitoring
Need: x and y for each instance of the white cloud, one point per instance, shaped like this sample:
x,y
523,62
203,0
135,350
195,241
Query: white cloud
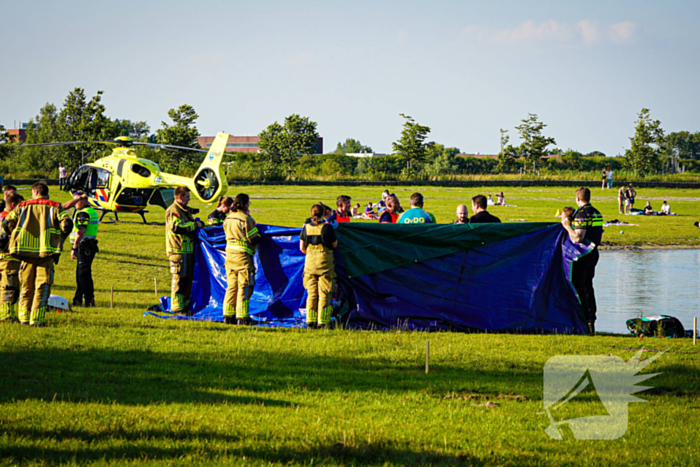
x,y
590,31
624,32
585,32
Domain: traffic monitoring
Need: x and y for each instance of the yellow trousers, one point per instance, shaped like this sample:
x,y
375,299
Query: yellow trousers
x,y
319,303
182,270
9,288
36,275
240,278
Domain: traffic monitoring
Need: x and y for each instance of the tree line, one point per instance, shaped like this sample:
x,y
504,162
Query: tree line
x,y
287,150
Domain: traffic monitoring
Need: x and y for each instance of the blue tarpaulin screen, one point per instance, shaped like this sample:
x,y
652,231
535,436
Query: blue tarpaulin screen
x,y
500,277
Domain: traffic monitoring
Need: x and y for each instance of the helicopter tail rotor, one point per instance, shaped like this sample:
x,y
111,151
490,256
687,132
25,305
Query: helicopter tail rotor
x,y
210,181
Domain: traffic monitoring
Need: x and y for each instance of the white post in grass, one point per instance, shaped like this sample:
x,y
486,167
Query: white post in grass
x,y
695,329
427,357
111,297
155,286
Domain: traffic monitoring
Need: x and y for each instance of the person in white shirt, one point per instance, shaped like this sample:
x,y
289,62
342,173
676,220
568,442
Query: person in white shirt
x,y
666,209
610,177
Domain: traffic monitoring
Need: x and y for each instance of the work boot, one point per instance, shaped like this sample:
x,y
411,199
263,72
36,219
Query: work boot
x,y
90,303
311,326
321,326
229,320
77,302
243,321
591,328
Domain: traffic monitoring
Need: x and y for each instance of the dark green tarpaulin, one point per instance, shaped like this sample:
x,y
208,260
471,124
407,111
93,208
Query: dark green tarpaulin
x,y
366,249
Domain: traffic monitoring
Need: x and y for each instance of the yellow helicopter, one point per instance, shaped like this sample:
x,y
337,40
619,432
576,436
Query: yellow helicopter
x,y
123,182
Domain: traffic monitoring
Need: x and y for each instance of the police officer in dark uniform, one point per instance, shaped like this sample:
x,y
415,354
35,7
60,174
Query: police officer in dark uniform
x,y
586,226
84,249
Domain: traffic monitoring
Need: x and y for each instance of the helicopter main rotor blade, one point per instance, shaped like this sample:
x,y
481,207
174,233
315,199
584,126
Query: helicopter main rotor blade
x,y
167,146
65,143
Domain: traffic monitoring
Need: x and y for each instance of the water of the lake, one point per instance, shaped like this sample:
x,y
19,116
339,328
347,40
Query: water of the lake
x,y
629,284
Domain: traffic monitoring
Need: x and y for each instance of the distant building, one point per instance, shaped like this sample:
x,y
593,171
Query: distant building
x,y
365,154
245,143
20,134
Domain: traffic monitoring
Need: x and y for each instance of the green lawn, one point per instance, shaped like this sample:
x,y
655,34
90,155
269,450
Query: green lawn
x,y
108,386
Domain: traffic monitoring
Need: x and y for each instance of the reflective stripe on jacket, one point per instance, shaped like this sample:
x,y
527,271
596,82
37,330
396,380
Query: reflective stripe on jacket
x,y
37,228
180,229
240,230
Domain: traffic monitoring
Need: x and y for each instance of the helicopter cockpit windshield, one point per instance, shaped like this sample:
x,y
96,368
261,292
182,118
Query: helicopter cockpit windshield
x,y
88,179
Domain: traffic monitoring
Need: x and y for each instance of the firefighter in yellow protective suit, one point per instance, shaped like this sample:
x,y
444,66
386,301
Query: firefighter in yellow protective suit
x,y
37,228
9,267
180,238
317,241
242,236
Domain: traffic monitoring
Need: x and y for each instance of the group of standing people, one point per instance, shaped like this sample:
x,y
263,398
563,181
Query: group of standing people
x,y
607,178
625,199
242,237
32,236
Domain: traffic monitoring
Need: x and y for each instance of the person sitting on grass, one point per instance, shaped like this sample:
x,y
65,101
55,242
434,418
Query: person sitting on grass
x,y
369,212
356,210
648,210
490,202
500,199
665,209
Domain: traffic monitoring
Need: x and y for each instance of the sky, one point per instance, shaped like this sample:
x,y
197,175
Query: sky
x,y
465,69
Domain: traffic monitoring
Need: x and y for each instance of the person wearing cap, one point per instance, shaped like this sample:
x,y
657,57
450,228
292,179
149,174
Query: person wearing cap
x,y
84,249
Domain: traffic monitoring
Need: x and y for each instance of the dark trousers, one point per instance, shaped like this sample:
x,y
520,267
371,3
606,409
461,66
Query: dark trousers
x,y
61,183
83,272
582,277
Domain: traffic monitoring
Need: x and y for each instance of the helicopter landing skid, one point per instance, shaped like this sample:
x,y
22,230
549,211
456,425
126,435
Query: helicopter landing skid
x,y
116,215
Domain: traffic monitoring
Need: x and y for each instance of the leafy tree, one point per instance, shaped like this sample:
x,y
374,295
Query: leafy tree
x,y
595,154
182,132
44,128
644,155
138,131
684,144
411,147
351,146
534,144
83,120
508,154
572,153
442,159
282,145
6,140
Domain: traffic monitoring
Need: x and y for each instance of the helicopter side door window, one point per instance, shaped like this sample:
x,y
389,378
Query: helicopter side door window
x,y
103,178
81,179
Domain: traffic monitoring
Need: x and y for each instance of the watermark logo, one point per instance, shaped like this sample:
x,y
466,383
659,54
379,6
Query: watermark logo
x,y
595,379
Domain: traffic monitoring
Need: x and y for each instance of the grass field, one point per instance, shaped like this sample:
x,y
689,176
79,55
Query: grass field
x,y
108,386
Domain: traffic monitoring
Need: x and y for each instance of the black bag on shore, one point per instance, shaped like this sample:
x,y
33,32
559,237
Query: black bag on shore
x,y
656,326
